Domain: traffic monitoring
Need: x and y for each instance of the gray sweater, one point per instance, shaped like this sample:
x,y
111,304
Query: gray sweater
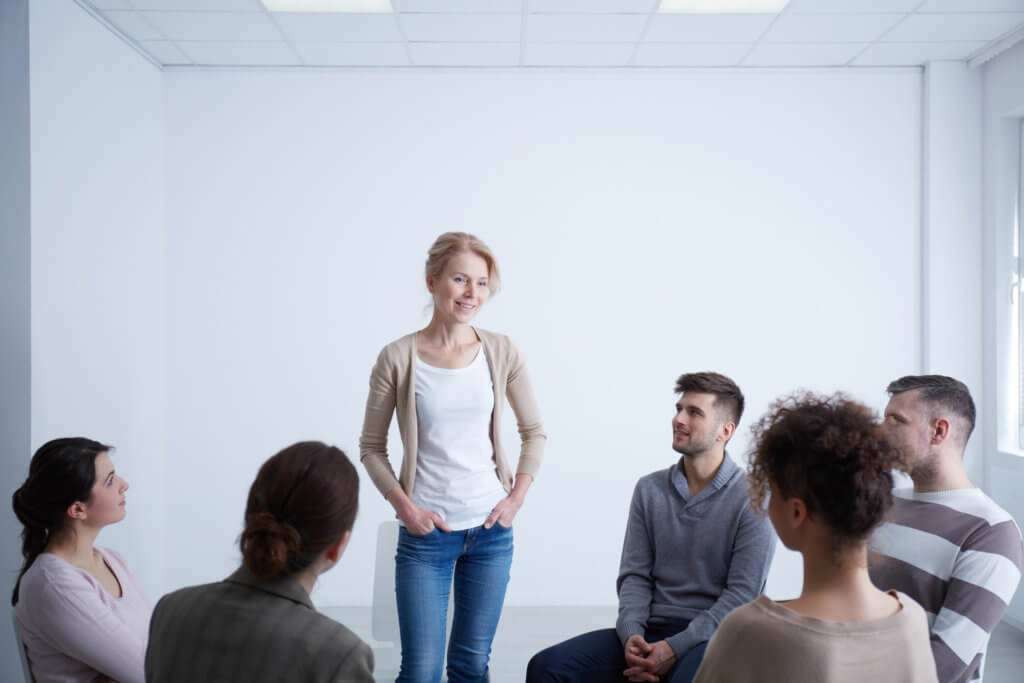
x,y
690,557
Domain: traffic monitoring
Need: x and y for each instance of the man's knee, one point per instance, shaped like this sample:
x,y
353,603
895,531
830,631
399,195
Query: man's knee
x,y
540,667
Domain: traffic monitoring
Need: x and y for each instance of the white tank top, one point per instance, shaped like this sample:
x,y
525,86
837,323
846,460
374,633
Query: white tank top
x,y
455,472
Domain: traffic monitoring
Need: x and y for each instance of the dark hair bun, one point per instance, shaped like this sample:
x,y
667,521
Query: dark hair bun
x,y
303,500
268,546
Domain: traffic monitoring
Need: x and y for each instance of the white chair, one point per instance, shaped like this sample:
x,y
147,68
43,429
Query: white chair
x,y
21,650
384,613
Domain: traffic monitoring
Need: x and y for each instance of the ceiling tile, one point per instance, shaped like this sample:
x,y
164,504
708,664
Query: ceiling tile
x,y
927,28
824,28
595,6
802,54
585,28
133,25
240,53
465,54
690,54
214,26
165,52
707,28
443,28
576,54
850,6
362,28
972,6
201,5
110,4
915,54
473,6
353,54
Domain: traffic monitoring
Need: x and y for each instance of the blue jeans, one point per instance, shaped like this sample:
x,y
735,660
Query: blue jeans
x,y
479,559
599,657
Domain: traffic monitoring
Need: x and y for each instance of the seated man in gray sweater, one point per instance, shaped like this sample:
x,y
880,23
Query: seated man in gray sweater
x,y
694,551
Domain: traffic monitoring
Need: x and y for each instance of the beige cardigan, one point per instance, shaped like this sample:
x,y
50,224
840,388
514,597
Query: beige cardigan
x,y
392,388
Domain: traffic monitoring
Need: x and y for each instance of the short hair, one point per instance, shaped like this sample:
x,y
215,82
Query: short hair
x,y
451,243
940,393
728,397
830,452
303,499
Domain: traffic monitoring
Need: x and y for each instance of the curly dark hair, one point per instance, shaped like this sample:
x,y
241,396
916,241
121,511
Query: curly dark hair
x,y
830,452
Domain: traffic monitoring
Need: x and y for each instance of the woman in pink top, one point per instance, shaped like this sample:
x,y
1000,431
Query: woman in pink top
x,y
822,469
83,615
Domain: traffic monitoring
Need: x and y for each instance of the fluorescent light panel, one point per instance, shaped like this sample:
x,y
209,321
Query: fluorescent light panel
x,y
722,6
365,6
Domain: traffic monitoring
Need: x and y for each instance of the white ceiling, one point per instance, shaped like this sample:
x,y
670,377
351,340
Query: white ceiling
x,y
562,33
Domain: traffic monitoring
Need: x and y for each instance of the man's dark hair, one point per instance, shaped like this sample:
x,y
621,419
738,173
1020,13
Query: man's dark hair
x,y
728,397
942,394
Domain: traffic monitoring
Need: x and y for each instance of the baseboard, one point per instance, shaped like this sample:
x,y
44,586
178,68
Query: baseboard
x,y
1016,623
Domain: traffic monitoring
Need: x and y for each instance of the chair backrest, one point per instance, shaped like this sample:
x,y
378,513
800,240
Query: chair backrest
x,y
21,650
384,614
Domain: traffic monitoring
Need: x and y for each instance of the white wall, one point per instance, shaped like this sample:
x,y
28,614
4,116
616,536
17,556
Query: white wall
x,y
764,224
97,260
15,339
1004,109
951,234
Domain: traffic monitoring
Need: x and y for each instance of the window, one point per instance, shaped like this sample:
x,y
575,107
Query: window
x,y
1016,295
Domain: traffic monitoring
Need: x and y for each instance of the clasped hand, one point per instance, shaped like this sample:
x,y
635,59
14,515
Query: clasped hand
x,y
647,661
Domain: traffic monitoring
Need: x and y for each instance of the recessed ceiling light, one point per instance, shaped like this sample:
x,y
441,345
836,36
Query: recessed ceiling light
x,y
379,6
723,6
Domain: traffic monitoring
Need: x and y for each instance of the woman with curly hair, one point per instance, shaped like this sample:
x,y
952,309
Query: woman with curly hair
x,y
821,469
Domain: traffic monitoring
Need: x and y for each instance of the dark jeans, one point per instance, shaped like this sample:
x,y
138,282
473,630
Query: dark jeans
x,y
599,657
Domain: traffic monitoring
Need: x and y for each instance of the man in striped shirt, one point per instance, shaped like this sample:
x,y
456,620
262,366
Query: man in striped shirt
x,y
946,543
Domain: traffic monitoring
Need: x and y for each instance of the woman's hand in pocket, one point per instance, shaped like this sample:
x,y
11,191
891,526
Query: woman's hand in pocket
x,y
504,512
420,521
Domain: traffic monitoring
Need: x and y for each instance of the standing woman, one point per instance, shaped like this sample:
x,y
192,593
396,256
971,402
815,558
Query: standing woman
x,y
455,494
83,615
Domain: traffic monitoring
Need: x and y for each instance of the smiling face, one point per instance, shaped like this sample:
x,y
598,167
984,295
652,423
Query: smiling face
x,y
696,426
106,503
461,288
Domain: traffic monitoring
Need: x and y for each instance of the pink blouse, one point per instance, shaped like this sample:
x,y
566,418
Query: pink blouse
x,y
77,632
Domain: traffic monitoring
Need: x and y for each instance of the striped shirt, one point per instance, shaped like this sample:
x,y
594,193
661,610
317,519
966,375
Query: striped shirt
x,y
959,555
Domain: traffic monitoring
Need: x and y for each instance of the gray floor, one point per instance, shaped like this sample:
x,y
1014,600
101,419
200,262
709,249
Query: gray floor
x,y
525,630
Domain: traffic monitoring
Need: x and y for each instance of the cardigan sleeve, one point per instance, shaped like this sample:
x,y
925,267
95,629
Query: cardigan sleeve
x,y
519,391
380,406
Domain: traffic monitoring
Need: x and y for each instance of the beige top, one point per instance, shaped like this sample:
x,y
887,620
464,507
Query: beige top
x,y
766,642
393,388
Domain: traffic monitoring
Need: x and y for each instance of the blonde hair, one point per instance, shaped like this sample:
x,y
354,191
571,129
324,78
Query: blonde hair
x,y
451,243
